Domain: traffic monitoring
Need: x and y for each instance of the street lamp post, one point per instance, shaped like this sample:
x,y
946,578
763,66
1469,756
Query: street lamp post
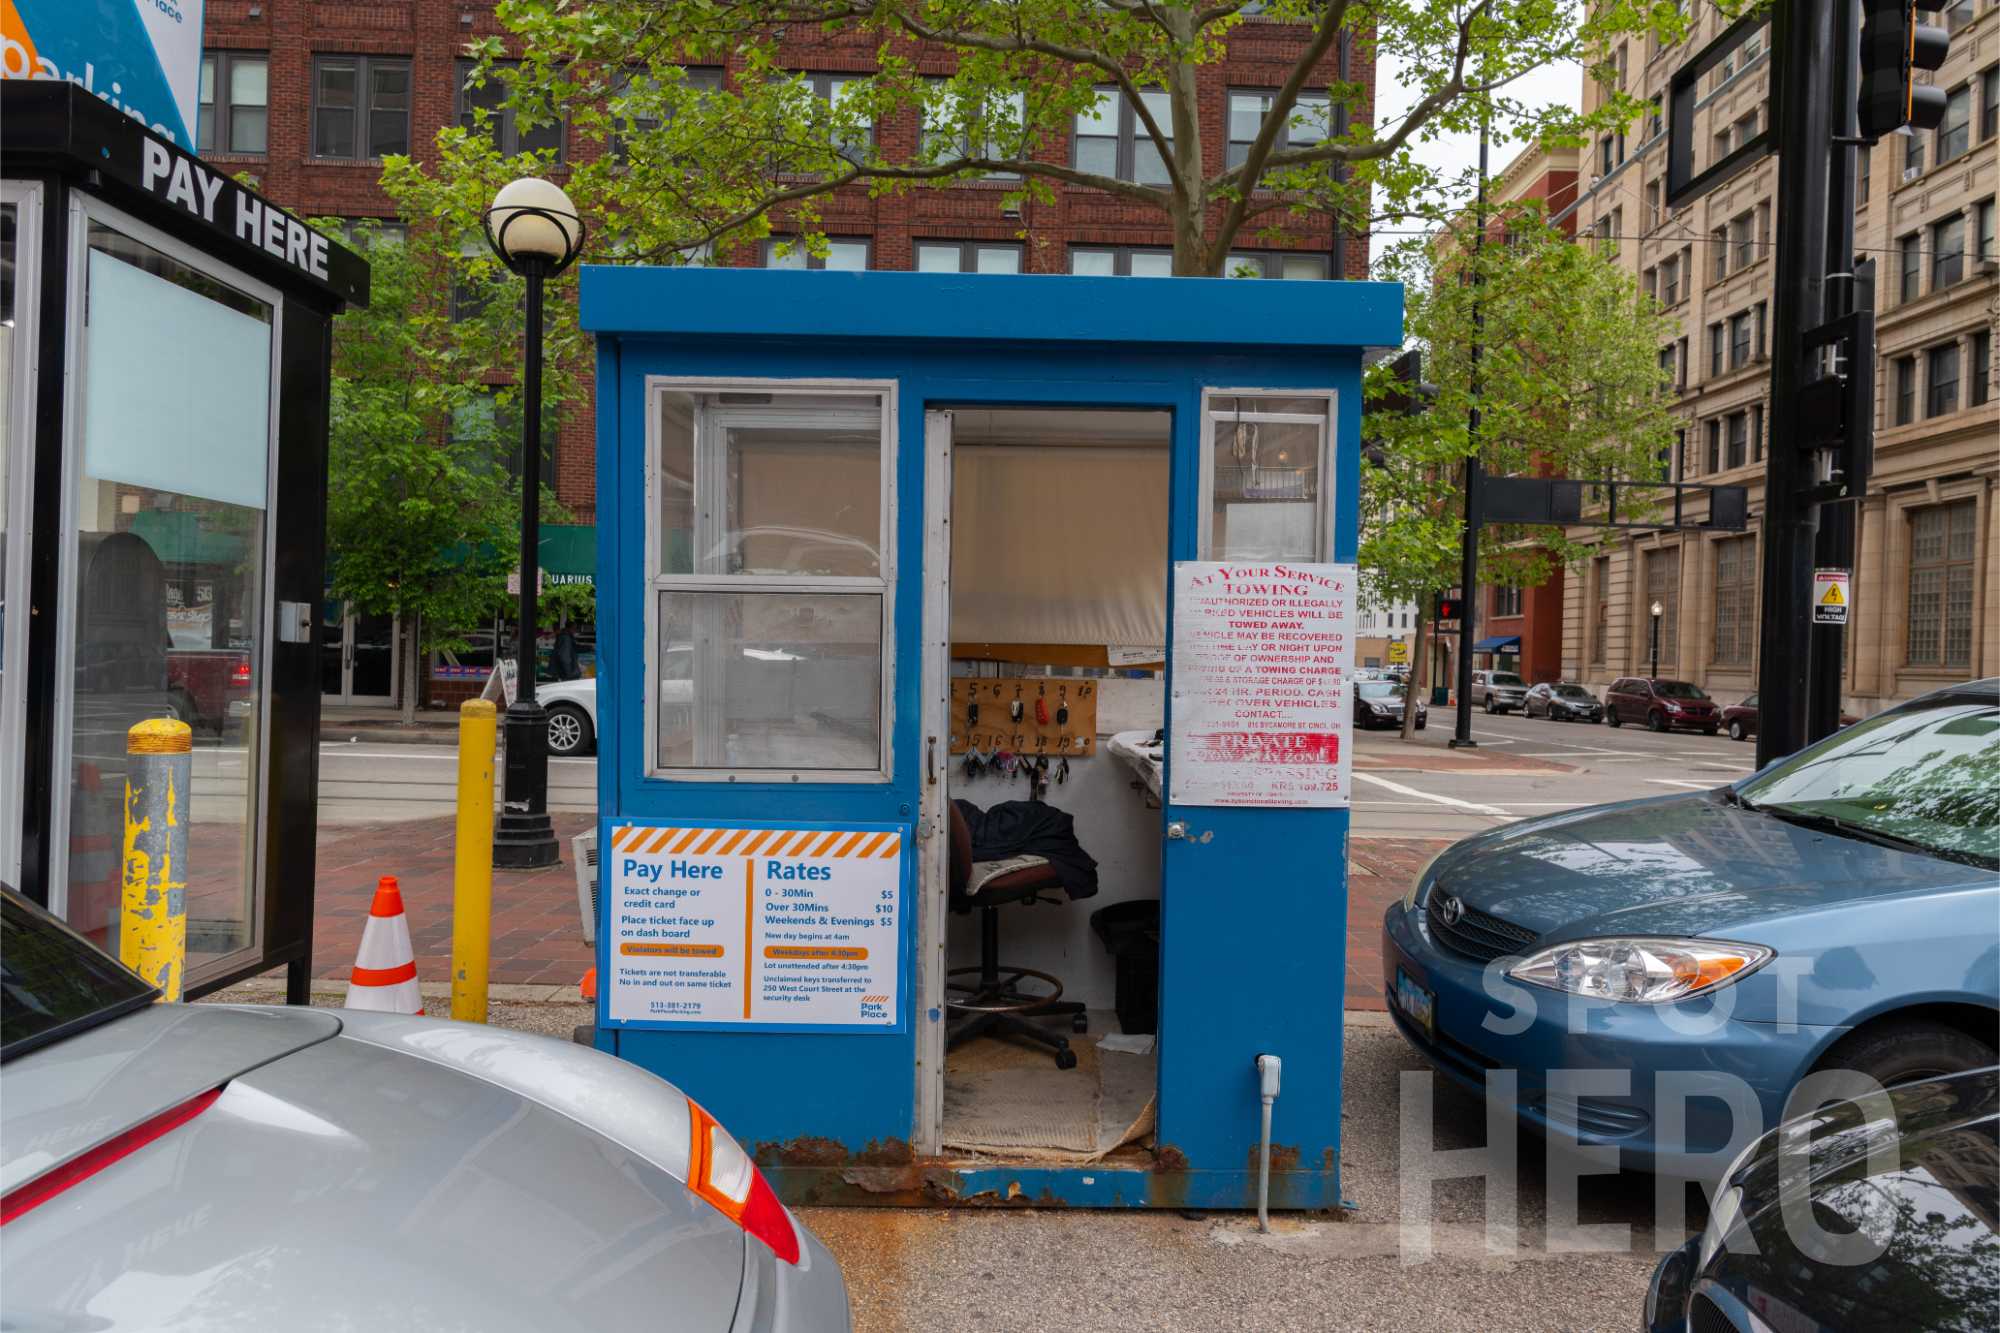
x,y
535,230
1658,611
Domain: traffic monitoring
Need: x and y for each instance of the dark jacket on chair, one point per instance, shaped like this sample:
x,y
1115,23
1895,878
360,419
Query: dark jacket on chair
x,y
1031,828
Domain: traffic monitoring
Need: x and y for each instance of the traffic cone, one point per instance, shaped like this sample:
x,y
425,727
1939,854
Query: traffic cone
x,y
385,968
587,987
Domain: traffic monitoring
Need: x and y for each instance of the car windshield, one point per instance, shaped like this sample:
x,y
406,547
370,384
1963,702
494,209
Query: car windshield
x,y
1507,678
1380,689
53,981
1572,691
1678,689
1927,774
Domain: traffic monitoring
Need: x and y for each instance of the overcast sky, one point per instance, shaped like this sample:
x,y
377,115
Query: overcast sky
x,y
1455,153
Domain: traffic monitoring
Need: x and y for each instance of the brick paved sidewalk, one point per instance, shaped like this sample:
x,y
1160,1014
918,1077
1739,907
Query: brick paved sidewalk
x,y
538,938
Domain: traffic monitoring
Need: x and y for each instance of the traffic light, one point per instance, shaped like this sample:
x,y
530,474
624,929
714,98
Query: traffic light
x,y
1894,46
1450,608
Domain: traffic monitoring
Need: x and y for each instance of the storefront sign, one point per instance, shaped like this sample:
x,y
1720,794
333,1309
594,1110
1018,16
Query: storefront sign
x,y
1832,595
1399,652
798,926
142,59
1262,658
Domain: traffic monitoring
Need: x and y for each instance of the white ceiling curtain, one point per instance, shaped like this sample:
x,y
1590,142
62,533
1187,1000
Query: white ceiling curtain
x,y
1059,544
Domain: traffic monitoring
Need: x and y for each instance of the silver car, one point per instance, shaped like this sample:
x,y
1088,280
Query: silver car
x,y
1499,691
216,1166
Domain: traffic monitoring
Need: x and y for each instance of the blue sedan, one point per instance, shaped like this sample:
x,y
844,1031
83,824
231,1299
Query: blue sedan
x,y
1696,956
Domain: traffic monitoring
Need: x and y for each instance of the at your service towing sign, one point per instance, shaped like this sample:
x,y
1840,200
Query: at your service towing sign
x,y
142,57
767,926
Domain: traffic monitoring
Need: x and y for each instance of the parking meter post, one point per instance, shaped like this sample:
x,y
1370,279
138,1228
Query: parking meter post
x,y
152,927
472,862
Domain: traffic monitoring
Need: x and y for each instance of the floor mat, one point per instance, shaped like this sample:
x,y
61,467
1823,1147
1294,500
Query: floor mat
x,y
1000,1098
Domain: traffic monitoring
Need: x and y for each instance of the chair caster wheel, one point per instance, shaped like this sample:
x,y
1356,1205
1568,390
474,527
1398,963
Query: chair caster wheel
x,y
1065,1059
1079,1023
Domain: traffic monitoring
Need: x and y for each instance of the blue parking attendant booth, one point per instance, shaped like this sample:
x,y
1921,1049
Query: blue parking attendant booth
x,y
973,660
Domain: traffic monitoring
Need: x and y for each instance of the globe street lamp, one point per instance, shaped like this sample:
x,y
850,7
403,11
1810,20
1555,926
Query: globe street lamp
x,y
1658,611
535,230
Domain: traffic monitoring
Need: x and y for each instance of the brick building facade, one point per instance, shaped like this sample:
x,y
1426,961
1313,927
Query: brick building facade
x,y
1926,608
306,96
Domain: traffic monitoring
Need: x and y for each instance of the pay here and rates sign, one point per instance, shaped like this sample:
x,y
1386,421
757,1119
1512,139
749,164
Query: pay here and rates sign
x,y
799,926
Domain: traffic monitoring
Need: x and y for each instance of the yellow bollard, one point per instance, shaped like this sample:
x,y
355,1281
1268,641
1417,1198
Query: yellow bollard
x,y
152,930
472,863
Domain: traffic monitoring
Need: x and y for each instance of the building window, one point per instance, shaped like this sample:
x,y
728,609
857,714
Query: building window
x,y
1604,155
968,257
1718,251
1721,144
770,580
1957,15
1913,156
969,131
485,421
1948,252
1735,600
630,123
1650,280
1941,380
1311,122
1681,360
1124,261
1739,439
1743,240
1906,390
235,104
1716,343
1298,266
1600,629
1982,212
1670,281
1654,195
1759,319
1663,585
849,256
1506,601
360,106
1989,103
1911,251
1666,367
1941,548
1867,156
1981,370
1757,433
509,136
1739,340
1714,450
1954,133
1111,140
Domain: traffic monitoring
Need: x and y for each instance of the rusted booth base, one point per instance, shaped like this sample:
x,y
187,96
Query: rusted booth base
x,y
824,1174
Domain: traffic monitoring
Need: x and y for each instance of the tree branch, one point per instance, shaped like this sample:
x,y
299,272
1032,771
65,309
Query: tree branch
x,y
1280,115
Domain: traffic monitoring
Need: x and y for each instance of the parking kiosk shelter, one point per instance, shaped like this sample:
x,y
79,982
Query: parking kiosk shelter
x,y
165,371
1076,551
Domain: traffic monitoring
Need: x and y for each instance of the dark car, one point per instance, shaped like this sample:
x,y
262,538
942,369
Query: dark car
x,y
1741,719
1661,704
1379,703
1563,701
1894,1221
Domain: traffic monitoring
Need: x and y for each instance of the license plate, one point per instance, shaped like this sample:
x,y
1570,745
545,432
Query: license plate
x,y
1417,1003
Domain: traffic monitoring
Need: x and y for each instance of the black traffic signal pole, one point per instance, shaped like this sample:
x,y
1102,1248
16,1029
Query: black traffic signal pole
x,y
1806,69
1468,571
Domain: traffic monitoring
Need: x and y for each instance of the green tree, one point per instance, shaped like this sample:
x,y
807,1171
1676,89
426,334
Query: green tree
x,y
422,516
1569,385
693,165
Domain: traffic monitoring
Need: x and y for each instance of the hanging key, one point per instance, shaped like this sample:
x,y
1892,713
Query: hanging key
x,y
1017,708
972,714
1062,771
1062,707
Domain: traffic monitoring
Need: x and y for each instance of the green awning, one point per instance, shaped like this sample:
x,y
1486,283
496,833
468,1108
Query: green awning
x,y
179,538
568,552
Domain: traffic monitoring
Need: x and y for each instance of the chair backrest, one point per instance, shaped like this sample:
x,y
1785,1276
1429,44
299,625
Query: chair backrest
x,y
961,848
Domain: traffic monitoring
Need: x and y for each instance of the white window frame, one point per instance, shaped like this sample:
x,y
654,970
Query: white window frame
x,y
84,210
1323,517
657,581
26,198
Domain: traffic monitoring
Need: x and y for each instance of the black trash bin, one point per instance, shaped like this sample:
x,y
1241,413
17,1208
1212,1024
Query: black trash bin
x,y
1131,935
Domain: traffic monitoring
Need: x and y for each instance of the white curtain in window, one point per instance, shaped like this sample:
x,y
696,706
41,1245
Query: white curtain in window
x,y
1059,544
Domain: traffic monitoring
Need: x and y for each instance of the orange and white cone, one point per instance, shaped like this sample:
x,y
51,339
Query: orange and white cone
x,y
385,968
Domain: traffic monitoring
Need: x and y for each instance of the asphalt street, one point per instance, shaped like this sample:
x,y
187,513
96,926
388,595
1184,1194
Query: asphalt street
x,y
1598,764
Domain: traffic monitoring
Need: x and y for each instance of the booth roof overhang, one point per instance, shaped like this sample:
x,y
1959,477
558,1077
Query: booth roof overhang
x,y
1038,308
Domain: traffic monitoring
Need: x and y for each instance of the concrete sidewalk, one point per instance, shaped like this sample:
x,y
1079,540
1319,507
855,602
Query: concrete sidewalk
x,y
538,931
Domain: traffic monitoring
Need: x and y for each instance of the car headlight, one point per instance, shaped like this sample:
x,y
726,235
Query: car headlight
x,y
1417,884
1639,970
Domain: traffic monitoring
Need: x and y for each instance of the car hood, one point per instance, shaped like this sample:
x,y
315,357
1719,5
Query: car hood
x,y
408,1174
1687,864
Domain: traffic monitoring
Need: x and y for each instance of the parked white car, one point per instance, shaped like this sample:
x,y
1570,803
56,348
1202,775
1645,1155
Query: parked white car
x,y
572,710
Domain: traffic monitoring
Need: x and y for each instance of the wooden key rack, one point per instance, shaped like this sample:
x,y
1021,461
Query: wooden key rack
x,y
996,729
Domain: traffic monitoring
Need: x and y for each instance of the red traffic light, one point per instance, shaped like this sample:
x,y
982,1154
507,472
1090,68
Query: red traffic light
x,y
1450,608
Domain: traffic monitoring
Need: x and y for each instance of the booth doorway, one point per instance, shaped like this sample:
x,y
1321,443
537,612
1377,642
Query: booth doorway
x,y
359,655
1047,546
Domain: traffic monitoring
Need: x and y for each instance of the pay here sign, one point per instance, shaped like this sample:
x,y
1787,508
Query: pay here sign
x,y
792,926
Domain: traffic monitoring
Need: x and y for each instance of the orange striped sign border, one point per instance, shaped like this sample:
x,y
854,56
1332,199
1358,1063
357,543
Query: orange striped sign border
x,y
795,844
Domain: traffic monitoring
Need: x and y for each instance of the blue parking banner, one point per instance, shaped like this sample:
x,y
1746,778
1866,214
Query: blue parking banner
x,y
790,926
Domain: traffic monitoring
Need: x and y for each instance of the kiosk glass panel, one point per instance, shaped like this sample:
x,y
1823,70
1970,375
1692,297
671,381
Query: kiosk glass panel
x,y
167,576
1265,462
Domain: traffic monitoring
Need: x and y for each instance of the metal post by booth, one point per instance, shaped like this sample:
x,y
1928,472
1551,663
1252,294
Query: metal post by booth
x,y
472,863
152,928
535,230
1468,575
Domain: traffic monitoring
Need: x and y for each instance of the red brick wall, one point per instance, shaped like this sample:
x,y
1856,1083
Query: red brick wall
x,y
432,34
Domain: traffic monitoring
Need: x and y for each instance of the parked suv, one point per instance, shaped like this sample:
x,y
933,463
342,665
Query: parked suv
x,y
1661,704
1499,691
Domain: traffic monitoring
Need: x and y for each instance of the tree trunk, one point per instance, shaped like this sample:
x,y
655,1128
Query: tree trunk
x,y
412,666
1419,677
1186,209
